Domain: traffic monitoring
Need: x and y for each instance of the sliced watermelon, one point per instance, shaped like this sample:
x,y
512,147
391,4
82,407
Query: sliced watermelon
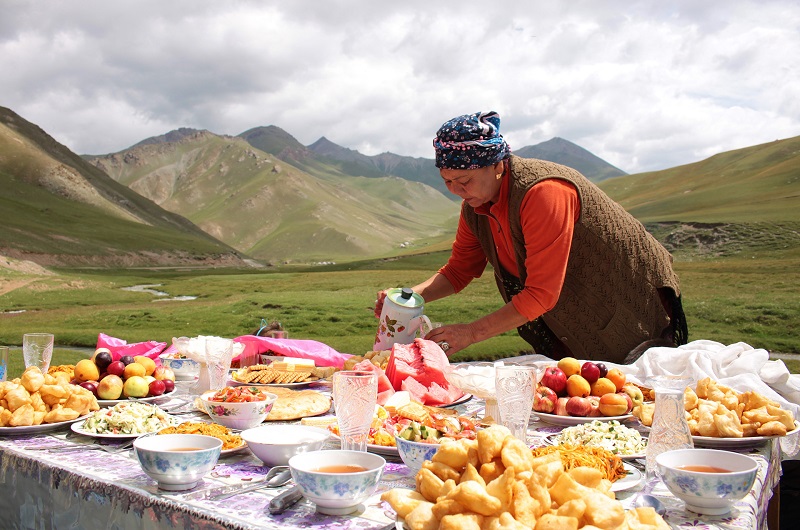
x,y
383,381
416,390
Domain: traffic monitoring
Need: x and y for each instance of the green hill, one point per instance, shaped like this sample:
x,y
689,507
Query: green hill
x,y
59,210
731,202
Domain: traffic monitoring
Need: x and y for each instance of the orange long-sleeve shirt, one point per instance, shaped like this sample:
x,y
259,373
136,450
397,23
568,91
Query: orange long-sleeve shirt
x,y
548,215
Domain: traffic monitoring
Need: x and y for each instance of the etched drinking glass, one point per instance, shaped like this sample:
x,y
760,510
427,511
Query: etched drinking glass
x,y
219,353
3,362
514,386
37,350
355,394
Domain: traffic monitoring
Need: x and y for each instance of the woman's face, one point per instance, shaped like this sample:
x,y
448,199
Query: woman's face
x,y
476,186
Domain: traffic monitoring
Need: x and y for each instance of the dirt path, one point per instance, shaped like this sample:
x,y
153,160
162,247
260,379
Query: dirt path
x,y
6,286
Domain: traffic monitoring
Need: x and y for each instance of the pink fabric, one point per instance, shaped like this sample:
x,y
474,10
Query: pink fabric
x,y
322,354
120,347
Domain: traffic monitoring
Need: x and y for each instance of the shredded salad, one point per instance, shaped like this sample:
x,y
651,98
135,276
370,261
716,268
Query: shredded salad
x,y
609,435
128,418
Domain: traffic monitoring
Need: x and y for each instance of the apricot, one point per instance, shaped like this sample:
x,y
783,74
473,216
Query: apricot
x,y
577,385
86,370
603,386
148,363
570,366
134,369
617,377
613,405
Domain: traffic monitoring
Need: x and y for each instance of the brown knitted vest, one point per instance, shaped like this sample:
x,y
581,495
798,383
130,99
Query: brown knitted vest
x,y
609,303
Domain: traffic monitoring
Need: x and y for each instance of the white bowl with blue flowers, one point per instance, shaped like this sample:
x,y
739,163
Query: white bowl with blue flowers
x,y
323,480
185,369
414,454
714,491
177,461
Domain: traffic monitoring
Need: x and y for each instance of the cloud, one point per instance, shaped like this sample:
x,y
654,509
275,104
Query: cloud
x,y
644,85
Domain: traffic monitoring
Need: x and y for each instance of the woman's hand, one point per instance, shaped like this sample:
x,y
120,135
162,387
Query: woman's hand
x,y
379,298
452,338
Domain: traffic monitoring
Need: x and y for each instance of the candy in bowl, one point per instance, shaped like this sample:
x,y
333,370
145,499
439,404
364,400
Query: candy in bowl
x,y
476,379
185,369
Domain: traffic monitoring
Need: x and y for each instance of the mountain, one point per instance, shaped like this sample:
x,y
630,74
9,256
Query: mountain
x,y
566,153
59,210
323,155
293,208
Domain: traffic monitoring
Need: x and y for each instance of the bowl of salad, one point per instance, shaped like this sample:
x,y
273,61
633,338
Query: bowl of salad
x,y
239,407
414,453
625,442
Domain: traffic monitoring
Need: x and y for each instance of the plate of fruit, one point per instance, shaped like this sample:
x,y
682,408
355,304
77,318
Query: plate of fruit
x,y
123,379
574,392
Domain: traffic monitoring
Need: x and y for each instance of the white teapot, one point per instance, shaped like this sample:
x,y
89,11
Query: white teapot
x,y
401,319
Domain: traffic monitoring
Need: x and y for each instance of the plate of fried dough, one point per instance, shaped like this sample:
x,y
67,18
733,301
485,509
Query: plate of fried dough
x,y
720,417
36,402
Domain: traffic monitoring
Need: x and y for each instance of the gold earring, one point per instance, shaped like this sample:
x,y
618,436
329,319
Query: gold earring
x,y
498,176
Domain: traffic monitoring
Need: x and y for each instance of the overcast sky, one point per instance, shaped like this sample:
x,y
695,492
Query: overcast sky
x,y
645,85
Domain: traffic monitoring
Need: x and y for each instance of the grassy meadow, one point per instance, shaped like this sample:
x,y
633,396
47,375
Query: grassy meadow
x,y
745,299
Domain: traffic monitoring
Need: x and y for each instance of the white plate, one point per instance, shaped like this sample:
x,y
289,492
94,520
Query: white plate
x,y
224,452
234,382
35,429
577,420
550,440
631,480
112,402
78,428
459,401
732,443
386,450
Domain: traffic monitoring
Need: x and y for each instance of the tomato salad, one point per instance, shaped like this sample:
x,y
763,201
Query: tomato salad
x,y
239,394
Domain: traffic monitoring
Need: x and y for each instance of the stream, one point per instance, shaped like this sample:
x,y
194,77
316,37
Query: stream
x,y
150,288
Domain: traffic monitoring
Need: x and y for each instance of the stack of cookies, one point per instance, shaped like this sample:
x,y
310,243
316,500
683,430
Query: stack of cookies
x,y
264,374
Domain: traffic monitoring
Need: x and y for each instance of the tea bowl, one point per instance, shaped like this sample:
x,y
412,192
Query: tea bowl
x,y
177,461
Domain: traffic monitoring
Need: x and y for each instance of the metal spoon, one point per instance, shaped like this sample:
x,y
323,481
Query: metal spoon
x,y
644,500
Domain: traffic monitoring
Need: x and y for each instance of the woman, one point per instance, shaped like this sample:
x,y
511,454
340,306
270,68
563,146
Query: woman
x,y
580,276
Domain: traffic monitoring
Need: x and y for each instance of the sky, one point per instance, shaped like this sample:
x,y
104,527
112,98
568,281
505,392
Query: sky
x,y
644,85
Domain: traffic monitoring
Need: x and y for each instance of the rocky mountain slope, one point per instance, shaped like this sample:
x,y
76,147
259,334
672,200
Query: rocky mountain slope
x,y
275,210
59,210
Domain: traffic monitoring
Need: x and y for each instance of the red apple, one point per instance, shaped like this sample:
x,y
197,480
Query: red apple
x,y
561,407
555,379
169,385
544,399
116,368
590,372
595,402
157,388
578,406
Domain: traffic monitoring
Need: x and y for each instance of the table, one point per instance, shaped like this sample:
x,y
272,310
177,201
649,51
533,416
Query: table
x,y
94,489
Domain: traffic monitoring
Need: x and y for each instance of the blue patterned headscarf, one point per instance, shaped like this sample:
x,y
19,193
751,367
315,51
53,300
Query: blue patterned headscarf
x,y
470,141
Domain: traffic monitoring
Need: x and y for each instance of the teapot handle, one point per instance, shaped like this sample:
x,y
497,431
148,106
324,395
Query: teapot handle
x,y
425,325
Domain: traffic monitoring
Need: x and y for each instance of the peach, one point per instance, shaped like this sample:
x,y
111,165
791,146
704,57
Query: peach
x,y
617,377
603,386
570,366
577,385
613,405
